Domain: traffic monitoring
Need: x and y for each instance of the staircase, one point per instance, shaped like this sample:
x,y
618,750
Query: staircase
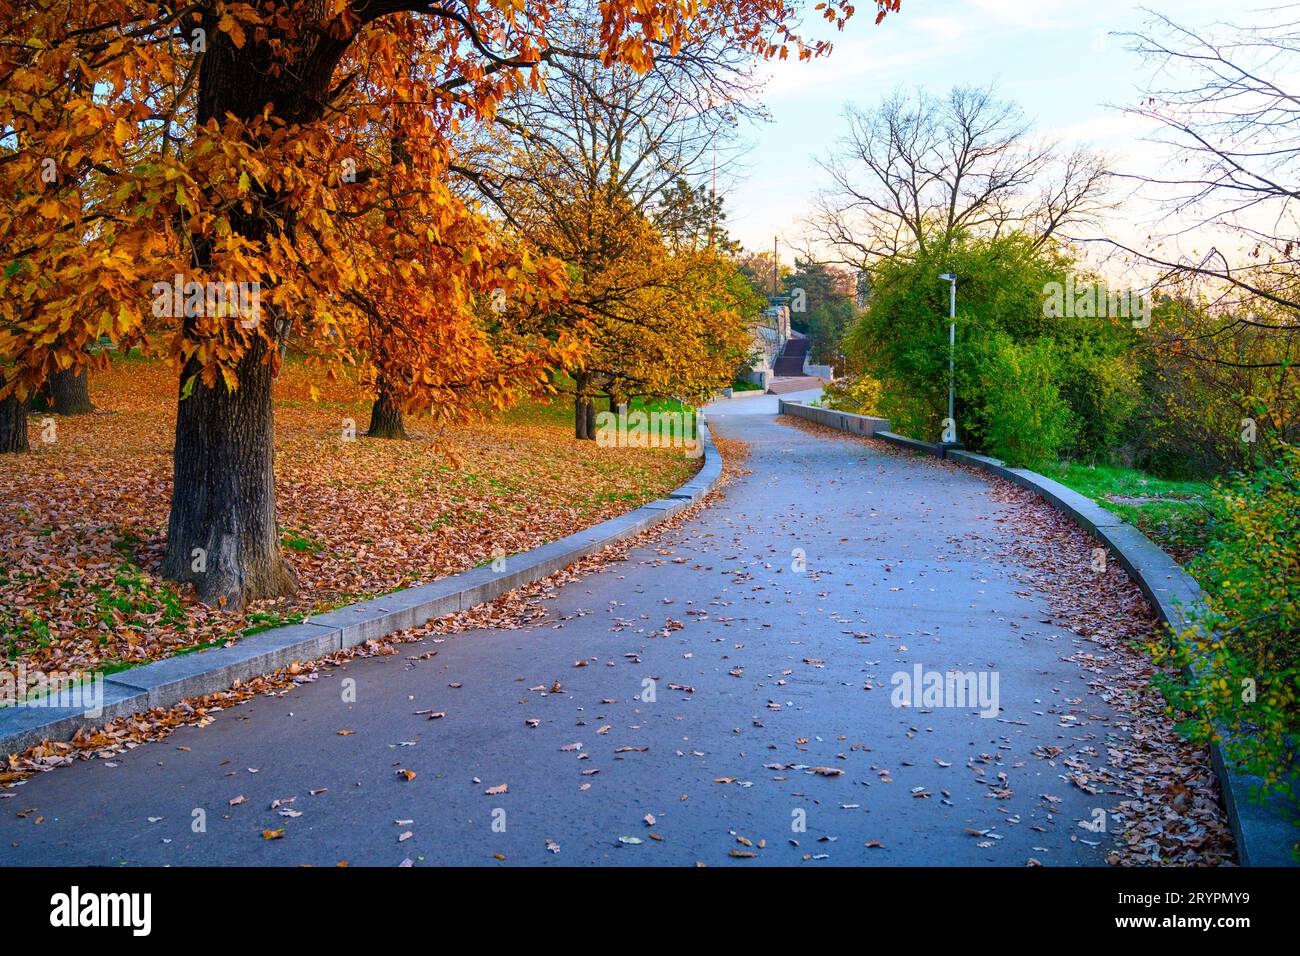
x,y
790,361
794,383
787,370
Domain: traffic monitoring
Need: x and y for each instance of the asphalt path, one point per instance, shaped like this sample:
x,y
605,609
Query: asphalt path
x,y
739,703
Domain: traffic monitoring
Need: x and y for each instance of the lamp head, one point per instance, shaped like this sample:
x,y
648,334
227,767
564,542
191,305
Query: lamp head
x,y
949,277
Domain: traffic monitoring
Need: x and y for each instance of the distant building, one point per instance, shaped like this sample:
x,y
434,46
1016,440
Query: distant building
x,y
770,333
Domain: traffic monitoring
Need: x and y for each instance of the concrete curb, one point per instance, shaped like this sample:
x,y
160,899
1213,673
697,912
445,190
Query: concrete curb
x,y
864,425
1170,590
912,444
845,421
167,682
1264,835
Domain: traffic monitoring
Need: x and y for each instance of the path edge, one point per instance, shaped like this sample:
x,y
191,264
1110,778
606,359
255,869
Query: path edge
x,y
167,682
1263,834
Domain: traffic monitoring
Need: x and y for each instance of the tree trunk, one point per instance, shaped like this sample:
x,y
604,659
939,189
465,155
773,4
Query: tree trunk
x,y
386,416
221,534
222,531
13,425
580,429
584,409
66,392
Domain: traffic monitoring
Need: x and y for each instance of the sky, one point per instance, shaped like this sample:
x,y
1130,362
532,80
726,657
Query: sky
x,y
1058,59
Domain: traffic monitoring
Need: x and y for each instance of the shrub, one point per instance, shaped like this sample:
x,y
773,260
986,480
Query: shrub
x,y
1026,420
859,394
1103,393
1084,364
1243,648
1200,397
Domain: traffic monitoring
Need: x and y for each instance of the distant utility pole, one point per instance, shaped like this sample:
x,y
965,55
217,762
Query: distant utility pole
x,y
776,267
713,200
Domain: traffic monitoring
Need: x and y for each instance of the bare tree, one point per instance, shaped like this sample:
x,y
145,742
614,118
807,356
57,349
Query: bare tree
x,y
917,171
611,127
589,134
1226,105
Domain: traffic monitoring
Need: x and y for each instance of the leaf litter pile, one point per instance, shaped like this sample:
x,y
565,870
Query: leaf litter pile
x,y
523,607
83,529
1171,807
1168,806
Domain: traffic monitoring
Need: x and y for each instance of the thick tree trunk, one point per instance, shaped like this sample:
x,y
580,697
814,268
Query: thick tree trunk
x,y
13,425
65,393
580,418
222,531
386,417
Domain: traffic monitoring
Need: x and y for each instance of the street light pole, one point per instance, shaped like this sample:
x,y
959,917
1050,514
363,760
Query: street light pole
x,y
951,279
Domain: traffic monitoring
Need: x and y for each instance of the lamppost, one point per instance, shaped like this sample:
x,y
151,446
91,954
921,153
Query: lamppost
x,y
951,279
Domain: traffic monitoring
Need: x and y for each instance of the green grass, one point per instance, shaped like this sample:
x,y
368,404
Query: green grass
x,y
559,410
132,598
1101,480
556,411
265,620
18,630
296,542
1177,518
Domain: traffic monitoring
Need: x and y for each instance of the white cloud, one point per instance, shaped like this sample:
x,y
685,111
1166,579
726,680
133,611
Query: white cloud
x,y
945,29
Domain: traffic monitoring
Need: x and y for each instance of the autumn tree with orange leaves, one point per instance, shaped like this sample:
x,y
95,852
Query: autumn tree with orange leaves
x,y
655,322
248,145
584,168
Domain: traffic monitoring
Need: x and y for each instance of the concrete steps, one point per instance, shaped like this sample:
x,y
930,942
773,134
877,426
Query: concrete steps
x,y
780,385
789,363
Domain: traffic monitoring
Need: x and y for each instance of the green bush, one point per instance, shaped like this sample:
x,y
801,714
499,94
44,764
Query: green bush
x,y
1026,420
1083,364
1243,649
1102,389
859,394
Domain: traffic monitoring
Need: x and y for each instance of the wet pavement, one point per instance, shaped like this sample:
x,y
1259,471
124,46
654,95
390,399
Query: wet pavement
x,y
738,704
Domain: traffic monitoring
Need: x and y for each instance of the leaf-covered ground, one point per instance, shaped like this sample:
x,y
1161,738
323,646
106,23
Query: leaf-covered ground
x,y
82,530
1173,514
515,609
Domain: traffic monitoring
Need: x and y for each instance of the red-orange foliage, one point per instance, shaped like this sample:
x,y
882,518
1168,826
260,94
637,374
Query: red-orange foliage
x,y
299,148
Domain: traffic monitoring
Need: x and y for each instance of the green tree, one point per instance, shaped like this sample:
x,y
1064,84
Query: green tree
x,y
820,307
693,218
1027,422
901,339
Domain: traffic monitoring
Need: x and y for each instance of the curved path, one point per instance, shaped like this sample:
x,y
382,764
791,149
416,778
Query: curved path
x,y
787,672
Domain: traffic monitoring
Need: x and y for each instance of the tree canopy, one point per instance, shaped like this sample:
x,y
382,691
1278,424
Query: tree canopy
x,y
298,152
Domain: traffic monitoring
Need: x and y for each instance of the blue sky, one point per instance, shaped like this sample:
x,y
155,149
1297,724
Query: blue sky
x,y
1055,58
